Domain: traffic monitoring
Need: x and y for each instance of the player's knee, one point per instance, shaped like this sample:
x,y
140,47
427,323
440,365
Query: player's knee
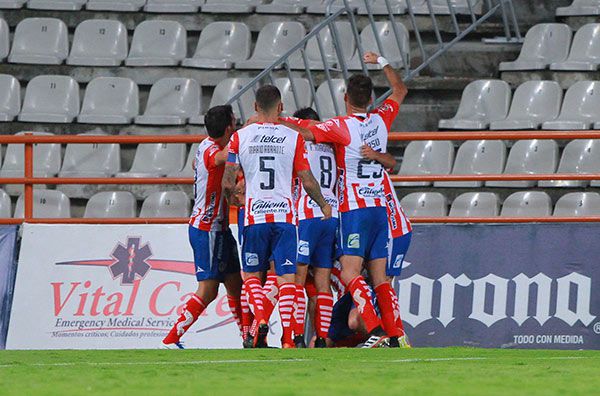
x,y
354,320
207,292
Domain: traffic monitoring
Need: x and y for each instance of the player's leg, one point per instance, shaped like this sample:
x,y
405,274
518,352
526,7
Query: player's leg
x,y
300,305
399,249
311,303
285,247
270,292
232,278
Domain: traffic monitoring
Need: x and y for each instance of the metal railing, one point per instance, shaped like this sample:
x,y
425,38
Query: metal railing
x,y
340,69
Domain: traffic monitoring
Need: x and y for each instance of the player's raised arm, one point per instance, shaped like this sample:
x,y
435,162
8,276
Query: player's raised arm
x,y
399,89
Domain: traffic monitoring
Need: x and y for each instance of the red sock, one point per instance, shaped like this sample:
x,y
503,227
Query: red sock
x,y
270,295
300,312
323,313
360,294
255,297
287,295
247,316
192,309
385,300
236,310
399,323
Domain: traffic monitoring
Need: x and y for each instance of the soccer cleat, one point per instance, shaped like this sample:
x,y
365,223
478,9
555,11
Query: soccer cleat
x,y
174,345
404,342
320,343
260,340
299,341
393,342
248,341
377,339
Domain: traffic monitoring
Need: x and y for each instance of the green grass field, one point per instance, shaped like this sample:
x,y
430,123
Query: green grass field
x,y
457,371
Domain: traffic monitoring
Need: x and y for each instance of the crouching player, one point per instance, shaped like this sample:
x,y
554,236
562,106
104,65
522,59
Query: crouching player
x,y
215,251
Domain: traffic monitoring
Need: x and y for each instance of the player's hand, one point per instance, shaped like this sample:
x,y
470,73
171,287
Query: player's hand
x,y
252,120
327,212
367,152
370,58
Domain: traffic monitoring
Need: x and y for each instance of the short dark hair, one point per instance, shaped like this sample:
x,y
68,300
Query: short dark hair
x,y
267,97
307,113
217,119
359,90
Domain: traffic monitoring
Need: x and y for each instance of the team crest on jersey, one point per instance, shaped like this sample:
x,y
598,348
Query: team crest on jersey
x,y
354,241
398,261
251,259
303,248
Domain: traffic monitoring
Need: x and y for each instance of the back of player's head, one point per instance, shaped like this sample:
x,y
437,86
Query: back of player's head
x,y
359,90
217,120
307,113
268,98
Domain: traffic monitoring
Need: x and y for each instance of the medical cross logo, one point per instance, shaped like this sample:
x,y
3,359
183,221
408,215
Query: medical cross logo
x,y
130,260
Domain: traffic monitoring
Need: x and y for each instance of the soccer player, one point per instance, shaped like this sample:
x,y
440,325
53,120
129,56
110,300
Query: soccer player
x,y
270,155
215,251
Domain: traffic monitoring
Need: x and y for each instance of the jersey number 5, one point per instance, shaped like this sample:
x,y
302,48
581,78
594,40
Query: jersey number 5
x,y
269,170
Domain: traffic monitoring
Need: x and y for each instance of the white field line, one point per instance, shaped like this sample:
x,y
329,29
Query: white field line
x,y
478,358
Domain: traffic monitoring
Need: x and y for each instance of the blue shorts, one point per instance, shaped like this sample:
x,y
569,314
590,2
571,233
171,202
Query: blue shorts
x,y
365,233
316,242
215,254
398,249
270,241
339,329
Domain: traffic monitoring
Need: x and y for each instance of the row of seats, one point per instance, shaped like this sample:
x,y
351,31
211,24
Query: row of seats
x,y
486,204
99,42
535,104
580,8
549,45
378,7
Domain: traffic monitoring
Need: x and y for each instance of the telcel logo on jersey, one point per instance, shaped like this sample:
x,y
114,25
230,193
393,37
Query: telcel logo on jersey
x,y
269,139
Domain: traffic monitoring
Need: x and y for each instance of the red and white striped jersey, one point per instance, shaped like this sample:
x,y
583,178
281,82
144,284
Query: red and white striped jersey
x,y
270,156
209,204
399,223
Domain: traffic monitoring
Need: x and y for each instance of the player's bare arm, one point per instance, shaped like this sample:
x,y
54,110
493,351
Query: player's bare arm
x,y
231,171
221,157
399,89
304,131
313,189
386,159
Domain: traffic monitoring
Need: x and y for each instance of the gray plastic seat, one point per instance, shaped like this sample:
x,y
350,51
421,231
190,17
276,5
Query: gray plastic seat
x,y
325,100
545,43
477,157
166,204
321,7
5,205
155,160
580,8
50,99
533,103
40,41
527,204
578,204
10,97
579,156
274,40
378,7
221,44
225,90
158,43
303,93
425,204
426,158
585,50
59,5
172,101
111,204
440,7
12,4
173,6
115,5
4,40
529,157
313,54
110,100
475,204
580,109
482,102
188,170
99,42
396,54
47,204
286,6
230,6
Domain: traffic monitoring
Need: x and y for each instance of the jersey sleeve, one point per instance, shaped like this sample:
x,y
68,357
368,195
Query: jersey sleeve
x,y
388,111
301,156
210,157
332,131
233,156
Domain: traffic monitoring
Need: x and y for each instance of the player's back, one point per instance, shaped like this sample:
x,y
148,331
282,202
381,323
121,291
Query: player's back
x,y
321,158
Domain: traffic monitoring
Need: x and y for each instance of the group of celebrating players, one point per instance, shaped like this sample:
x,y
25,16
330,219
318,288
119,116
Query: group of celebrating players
x,y
318,213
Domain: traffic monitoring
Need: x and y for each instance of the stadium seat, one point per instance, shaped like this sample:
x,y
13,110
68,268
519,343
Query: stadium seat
x,y
58,5
221,44
321,7
325,101
5,205
111,204
4,40
477,157
274,40
580,8
47,204
482,102
166,204
50,99
156,160
313,54
534,103
475,204
579,156
440,7
188,170
529,157
378,7
10,97
99,42
225,90
394,53
303,93
545,43
426,158
40,41
580,109
158,43
110,100
527,204
585,50
427,204
115,5
578,204
172,101
286,6
173,6
12,4
231,6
